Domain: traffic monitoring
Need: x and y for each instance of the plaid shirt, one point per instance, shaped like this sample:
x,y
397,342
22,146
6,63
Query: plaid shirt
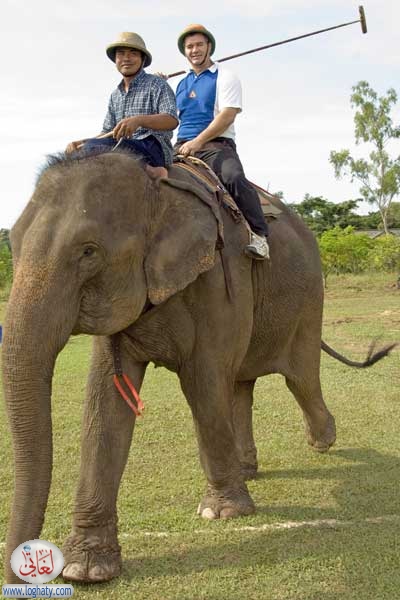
x,y
147,95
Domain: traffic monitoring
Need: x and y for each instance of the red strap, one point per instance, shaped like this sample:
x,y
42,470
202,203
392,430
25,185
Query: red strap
x,y
140,405
134,392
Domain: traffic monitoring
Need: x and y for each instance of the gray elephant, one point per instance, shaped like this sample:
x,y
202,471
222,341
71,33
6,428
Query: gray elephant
x,y
101,249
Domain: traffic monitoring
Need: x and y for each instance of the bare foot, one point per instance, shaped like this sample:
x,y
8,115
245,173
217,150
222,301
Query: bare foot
x,y
156,172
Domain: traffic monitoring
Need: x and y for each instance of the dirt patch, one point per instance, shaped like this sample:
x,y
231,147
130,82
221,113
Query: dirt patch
x,y
340,321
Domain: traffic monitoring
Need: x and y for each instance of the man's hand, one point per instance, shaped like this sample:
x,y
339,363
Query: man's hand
x,y
190,147
126,127
74,146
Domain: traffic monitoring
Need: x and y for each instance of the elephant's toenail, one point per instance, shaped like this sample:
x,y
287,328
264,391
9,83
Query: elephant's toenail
x,y
208,513
74,572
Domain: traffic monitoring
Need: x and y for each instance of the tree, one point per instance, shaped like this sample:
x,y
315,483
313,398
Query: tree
x,y
373,219
394,215
385,254
5,237
5,265
380,175
5,258
370,221
320,214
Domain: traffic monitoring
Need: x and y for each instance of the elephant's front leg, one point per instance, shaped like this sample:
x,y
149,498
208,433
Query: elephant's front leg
x,y
210,399
91,551
243,428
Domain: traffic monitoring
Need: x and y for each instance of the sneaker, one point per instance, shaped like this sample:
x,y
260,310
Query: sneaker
x,y
258,247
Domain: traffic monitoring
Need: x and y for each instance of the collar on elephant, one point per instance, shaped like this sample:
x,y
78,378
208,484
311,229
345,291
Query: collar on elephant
x,y
139,407
120,379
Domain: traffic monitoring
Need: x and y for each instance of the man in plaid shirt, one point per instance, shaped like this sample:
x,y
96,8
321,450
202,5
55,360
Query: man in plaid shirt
x,y
141,111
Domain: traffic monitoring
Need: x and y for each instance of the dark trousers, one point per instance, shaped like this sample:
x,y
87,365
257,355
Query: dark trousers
x,y
149,148
220,154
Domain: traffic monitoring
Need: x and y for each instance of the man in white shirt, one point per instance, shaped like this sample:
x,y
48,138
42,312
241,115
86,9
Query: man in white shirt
x,y
208,100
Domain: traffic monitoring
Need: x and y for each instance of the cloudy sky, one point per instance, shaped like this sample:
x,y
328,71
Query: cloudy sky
x,y
56,80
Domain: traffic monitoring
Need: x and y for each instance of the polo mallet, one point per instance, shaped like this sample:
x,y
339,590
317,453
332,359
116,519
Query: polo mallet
x,y
299,37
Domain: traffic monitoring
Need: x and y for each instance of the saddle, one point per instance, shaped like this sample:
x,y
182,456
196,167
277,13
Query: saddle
x,y
196,176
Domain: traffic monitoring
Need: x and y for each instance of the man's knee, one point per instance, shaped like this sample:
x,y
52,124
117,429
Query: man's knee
x,y
237,183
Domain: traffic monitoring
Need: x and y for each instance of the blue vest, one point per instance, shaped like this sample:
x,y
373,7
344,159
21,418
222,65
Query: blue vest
x,y
195,99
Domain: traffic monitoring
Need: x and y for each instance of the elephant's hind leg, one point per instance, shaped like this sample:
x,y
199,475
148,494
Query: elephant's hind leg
x,y
303,381
319,423
243,428
91,552
226,494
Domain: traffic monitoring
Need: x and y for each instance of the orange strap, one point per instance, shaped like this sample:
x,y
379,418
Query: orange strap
x,y
118,384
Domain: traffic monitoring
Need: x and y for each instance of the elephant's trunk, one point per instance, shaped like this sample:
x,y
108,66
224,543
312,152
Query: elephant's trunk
x,y
33,337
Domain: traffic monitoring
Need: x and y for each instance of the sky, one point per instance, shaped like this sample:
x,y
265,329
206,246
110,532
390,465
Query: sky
x,y
56,81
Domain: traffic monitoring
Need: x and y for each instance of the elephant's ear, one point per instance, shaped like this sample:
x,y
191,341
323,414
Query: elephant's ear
x,y
182,243
20,227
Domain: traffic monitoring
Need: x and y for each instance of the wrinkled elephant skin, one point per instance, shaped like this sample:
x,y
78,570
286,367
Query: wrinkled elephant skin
x,y
101,249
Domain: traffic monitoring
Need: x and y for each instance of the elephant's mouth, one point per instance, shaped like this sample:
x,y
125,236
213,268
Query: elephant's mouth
x,y
107,316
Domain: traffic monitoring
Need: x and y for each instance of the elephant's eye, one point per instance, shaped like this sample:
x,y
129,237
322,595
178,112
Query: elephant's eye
x,y
89,250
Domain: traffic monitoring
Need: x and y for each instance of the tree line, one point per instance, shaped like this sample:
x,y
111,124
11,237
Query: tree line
x,y
321,215
5,258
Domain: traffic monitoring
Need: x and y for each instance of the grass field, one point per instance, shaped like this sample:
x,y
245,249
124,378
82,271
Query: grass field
x,y
327,527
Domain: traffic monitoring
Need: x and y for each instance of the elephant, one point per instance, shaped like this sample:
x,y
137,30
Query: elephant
x,y
102,249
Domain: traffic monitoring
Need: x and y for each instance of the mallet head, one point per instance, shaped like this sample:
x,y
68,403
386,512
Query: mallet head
x,y
362,19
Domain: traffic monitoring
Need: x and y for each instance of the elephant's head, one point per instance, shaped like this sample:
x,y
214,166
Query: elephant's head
x,y
97,241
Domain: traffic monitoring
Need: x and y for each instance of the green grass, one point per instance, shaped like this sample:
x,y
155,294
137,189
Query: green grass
x,y
169,553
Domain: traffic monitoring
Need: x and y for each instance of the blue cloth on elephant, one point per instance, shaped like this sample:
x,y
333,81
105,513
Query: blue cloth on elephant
x,y
149,148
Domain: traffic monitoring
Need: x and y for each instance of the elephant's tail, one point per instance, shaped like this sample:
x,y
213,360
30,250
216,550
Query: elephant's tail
x,y
372,357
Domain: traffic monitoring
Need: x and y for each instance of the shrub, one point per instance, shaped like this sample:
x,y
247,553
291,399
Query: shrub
x,y
342,251
5,266
385,254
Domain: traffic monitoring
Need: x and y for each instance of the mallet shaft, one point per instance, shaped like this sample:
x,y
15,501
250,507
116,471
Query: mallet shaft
x,y
293,39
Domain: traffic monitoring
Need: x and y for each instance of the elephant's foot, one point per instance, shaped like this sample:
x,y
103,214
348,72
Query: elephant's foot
x,y
249,470
92,554
226,504
321,442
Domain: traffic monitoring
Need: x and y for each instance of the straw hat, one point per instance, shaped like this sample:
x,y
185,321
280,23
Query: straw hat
x,y
190,30
127,39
